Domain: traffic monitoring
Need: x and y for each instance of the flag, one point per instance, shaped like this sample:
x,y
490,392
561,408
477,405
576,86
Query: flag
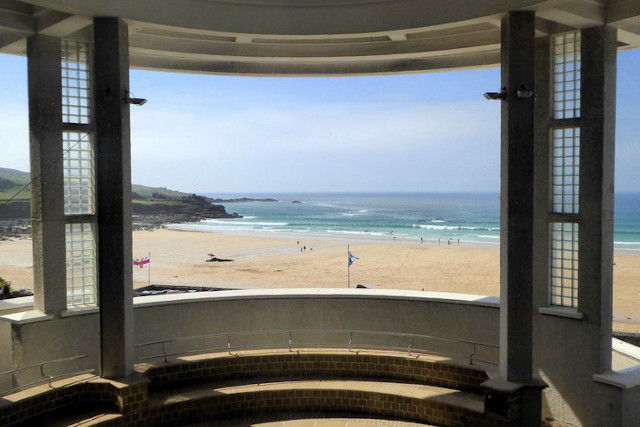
x,y
141,262
352,258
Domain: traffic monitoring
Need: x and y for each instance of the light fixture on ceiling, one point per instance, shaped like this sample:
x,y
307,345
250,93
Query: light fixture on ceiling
x,y
496,96
134,101
524,91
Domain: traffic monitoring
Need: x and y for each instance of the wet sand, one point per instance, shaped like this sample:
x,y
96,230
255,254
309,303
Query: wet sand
x,y
264,261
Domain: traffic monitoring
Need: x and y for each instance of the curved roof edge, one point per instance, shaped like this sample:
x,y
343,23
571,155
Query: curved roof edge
x,y
309,37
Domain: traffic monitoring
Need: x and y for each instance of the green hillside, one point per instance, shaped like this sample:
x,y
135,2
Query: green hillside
x,y
16,176
144,192
12,181
151,206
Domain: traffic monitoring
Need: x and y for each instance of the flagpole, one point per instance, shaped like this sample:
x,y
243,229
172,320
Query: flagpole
x,y
348,269
149,272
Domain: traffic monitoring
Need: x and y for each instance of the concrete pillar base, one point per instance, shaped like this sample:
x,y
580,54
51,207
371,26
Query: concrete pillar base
x,y
513,403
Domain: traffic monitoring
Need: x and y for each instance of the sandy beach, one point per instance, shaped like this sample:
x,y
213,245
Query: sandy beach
x,y
178,258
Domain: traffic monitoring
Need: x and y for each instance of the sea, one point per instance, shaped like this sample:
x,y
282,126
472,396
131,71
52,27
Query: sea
x,y
433,217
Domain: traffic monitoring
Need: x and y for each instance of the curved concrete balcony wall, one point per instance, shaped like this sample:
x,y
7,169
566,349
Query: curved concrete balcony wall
x,y
36,338
449,316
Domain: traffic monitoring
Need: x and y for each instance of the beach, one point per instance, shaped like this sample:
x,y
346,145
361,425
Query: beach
x,y
261,260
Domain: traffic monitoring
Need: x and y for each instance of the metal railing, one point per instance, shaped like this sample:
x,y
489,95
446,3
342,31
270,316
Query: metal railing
x,y
44,377
299,339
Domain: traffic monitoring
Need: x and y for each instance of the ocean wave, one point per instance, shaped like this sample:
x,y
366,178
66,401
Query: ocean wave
x,y
233,228
327,205
359,213
364,233
240,222
281,230
453,227
627,243
434,227
488,237
202,228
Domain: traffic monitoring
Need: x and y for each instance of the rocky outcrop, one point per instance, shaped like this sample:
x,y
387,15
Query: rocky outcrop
x,y
147,214
152,214
14,228
151,206
242,200
15,209
200,211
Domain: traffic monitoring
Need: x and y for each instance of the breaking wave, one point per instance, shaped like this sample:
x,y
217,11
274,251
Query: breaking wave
x,y
454,227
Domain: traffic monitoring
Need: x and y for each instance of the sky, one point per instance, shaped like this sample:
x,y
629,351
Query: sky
x,y
216,134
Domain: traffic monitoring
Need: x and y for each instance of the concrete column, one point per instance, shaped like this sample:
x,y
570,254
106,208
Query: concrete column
x,y
542,174
598,115
516,210
47,192
573,345
113,165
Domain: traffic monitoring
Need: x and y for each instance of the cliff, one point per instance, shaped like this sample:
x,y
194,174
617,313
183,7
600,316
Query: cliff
x,y
149,213
151,206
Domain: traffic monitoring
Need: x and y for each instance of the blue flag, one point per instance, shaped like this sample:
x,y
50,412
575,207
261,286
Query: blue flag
x,y
352,259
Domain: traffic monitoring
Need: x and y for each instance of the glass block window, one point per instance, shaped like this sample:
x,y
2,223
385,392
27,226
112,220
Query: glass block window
x,y
564,264
81,265
76,83
566,75
565,171
79,173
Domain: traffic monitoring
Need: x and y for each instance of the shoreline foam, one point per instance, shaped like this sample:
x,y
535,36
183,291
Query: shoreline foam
x,y
377,236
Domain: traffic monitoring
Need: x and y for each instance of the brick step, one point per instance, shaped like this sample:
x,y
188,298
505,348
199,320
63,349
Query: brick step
x,y
65,402
324,363
417,388
72,418
471,401
313,420
408,401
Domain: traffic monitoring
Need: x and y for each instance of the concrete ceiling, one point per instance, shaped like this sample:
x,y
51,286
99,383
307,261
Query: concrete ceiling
x,y
309,37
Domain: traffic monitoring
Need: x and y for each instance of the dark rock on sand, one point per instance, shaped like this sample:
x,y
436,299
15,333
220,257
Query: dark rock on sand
x,y
216,259
7,293
14,229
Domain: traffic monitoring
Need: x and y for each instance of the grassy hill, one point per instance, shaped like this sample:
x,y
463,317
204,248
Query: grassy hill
x,y
12,181
144,192
14,175
146,200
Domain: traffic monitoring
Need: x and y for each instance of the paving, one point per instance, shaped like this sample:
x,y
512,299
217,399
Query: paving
x,y
312,421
